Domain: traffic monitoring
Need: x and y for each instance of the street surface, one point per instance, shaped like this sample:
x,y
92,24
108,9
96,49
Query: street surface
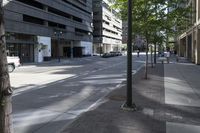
x,y
47,97
168,102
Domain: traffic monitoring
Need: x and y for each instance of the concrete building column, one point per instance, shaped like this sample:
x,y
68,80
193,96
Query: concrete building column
x,y
193,45
46,9
179,47
198,46
186,49
72,49
182,48
197,10
104,48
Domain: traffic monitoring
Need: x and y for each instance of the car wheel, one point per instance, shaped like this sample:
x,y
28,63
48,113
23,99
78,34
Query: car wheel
x,y
11,68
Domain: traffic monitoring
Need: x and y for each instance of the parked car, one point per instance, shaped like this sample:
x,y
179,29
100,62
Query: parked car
x,y
119,53
106,55
13,62
111,54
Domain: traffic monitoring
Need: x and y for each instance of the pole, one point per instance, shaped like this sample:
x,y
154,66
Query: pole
x,y
100,49
129,56
58,48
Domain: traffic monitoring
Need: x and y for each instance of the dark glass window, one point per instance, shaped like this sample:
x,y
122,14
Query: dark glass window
x,y
32,3
58,12
56,25
34,20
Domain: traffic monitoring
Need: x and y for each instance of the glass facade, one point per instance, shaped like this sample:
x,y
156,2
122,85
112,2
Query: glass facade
x,y
21,45
23,51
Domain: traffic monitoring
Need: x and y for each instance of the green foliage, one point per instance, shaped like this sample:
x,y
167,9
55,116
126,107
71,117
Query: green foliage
x,y
156,19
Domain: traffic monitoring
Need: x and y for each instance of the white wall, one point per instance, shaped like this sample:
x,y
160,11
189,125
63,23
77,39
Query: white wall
x,y
42,49
87,47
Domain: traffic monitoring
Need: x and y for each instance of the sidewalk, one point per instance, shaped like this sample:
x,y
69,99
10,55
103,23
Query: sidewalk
x,y
63,61
169,102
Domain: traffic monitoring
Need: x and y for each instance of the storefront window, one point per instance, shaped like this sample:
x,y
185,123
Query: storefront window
x,y
21,45
12,50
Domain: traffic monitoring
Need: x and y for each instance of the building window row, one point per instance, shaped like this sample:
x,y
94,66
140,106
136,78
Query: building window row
x,y
117,21
34,20
106,22
99,36
63,14
32,3
109,18
66,1
106,6
110,31
51,10
56,25
81,32
118,29
112,38
83,2
39,21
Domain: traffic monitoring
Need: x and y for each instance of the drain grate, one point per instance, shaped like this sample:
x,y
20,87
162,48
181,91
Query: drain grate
x,y
117,98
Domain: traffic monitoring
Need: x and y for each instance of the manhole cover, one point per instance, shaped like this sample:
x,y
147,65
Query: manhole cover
x,y
117,98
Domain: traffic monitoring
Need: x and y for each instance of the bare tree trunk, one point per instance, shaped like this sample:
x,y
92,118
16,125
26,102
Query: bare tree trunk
x,y
5,88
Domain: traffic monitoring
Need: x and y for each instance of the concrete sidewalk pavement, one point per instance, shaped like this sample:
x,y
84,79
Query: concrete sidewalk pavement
x,y
168,102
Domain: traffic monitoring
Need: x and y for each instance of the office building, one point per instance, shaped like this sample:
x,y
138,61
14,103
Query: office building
x,y
38,30
124,32
107,33
189,41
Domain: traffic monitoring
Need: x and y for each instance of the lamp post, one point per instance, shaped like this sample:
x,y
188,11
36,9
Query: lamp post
x,y
58,34
129,105
129,56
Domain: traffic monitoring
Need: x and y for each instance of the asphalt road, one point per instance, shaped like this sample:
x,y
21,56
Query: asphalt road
x,y
47,97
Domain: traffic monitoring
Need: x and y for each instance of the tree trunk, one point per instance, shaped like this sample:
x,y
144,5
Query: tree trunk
x,y
151,57
5,88
155,54
147,58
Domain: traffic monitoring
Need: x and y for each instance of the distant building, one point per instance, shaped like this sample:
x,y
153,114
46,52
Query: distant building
x,y
38,30
107,33
124,32
189,41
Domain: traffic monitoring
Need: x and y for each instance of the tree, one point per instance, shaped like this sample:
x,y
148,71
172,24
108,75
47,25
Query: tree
x,y
5,88
152,17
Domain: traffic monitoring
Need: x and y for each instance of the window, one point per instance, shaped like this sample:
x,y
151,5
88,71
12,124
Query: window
x,y
32,3
58,12
34,20
81,32
56,25
66,1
